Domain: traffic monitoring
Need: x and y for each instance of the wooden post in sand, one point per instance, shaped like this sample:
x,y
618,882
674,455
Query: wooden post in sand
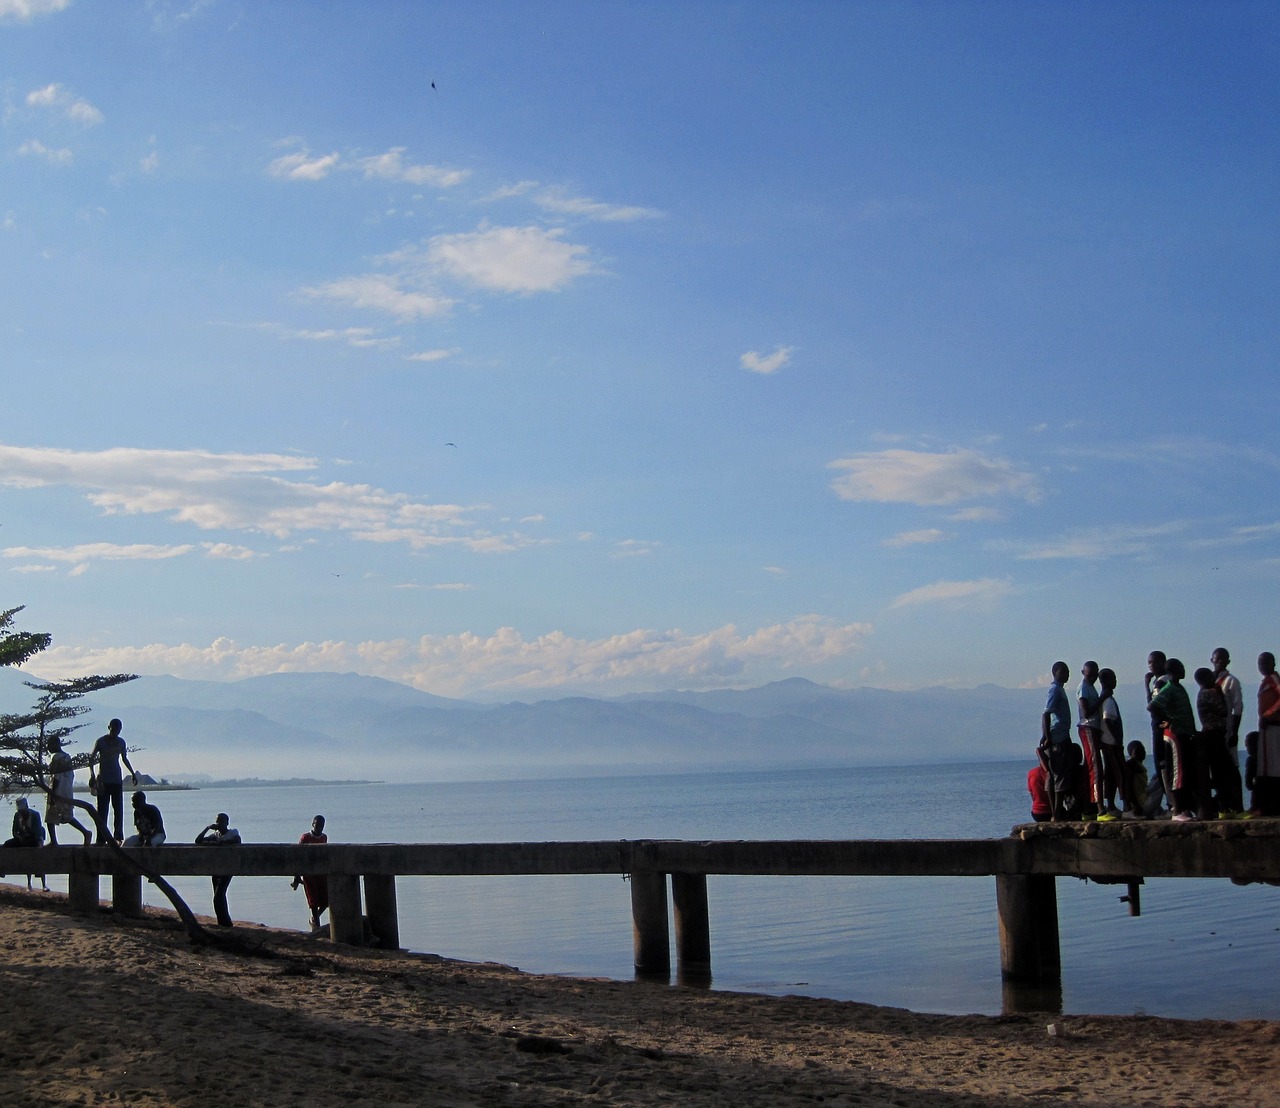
x,y
82,891
693,925
1028,908
126,895
346,925
651,935
380,904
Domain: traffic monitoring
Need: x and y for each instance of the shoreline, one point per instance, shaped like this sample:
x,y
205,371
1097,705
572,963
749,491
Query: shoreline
x,y
306,1022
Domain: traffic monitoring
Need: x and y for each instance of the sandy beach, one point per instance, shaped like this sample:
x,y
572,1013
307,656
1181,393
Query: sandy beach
x,y
102,1011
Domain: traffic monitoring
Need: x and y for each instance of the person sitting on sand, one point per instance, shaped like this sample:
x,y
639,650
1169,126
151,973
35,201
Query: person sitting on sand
x,y
148,821
59,808
316,886
27,831
220,833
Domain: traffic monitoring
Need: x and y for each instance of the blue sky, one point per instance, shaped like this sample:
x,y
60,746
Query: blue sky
x,y
595,347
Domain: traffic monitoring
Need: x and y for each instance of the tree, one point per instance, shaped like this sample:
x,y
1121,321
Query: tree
x,y
24,743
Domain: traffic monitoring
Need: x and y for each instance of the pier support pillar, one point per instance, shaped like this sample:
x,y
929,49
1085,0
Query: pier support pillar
x,y
380,904
652,937
1028,909
693,927
126,895
82,891
346,924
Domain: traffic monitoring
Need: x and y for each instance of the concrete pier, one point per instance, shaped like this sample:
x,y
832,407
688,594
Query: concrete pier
x,y
1025,866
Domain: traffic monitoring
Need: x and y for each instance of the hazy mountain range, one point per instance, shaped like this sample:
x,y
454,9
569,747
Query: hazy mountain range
x,y
343,725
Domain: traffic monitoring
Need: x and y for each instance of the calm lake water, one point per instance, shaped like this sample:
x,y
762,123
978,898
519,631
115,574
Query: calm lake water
x,y
1200,948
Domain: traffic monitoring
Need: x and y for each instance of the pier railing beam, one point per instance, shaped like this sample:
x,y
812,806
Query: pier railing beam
x,y
346,925
1028,908
380,904
693,926
651,934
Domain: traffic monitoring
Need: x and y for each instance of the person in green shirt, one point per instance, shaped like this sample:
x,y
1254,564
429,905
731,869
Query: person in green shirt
x,y
1171,706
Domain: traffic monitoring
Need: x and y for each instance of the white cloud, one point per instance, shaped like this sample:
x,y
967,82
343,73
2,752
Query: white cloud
x,y
34,148
918,477
57,98
391,167
976,515
916,538
248,492
509,259
81,555
461,664
1098,543
983,592
301,166
382,293
229,552
23,11
555,200
766,363
431,355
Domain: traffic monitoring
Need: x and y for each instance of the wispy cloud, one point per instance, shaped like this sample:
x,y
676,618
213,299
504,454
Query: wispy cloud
x,y
929,479
1099,543
78,557
766,363
984,592
431,355
62,101
250,492
559,202
916,538
23,11
301,165
34,148
509,259
458,665
383,293
391,166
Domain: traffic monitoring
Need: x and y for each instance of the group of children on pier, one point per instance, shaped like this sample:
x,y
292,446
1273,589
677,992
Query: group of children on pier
x,y
1196,769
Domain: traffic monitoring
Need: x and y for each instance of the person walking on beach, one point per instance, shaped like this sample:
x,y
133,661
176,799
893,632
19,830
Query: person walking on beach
x,y
1171,707
59,808
316,886
107,754
147,821
1055,736
220,833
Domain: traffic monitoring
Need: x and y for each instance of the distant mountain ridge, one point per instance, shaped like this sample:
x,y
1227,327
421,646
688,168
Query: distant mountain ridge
x,y
351,726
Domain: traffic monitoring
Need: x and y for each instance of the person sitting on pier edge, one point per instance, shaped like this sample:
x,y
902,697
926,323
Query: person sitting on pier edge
x,y
1055,734
1089,728
1153,679
1038,787
220,833
148,822
107,754
1216,766
1111,752
27,831
1136,777
1266,788
1172,707
316,886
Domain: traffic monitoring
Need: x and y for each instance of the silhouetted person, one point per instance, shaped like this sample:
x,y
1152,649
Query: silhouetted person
x,y
316,886
59,808
147,821
220,833
1266,786
1158,787
1171,707
1055,735
107,754
27,831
